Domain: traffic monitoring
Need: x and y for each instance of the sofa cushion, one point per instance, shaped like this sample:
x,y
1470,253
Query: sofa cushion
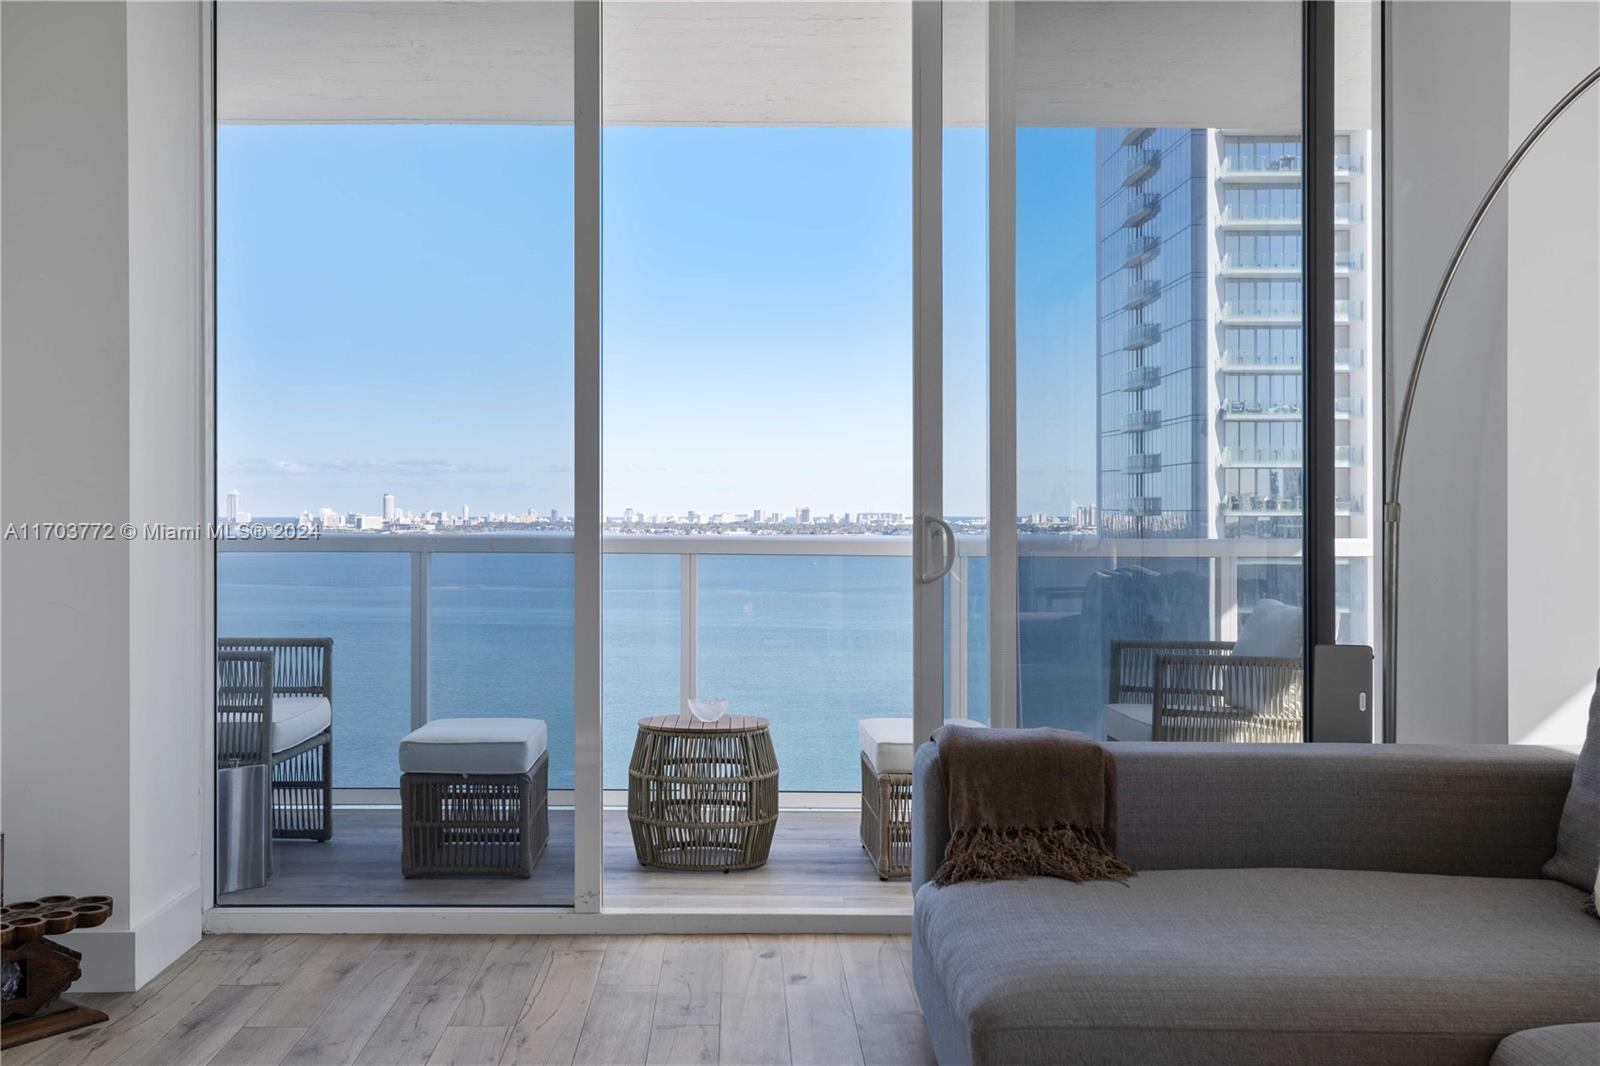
x,y
1577,856
1553,1045
1258,965
473,746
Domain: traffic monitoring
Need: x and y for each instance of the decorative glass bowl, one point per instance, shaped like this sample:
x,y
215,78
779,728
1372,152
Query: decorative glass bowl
x,y
708,710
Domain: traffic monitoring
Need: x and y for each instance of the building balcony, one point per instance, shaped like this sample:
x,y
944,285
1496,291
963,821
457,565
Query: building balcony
x,y
1347,260
1271,265
1260,363
1347,358
1347,407
1139,208
1258,216
1139,378
1347,164
1142,463
1139,250
1258,411
1262,457
1347,310
1284,168
1141,163
1137,134
1143,506
1345,214
1141,335
1245,311
1141,421
1140,294
1251,506
1347,455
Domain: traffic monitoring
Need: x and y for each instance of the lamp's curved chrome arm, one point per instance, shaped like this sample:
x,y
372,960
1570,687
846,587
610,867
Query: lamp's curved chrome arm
x,y
1391,503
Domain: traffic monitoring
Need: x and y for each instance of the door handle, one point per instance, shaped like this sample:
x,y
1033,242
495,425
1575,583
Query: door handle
x,y
948,537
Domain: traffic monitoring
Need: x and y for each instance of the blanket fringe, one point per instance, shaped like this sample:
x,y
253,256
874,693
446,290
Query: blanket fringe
x,y
1070,852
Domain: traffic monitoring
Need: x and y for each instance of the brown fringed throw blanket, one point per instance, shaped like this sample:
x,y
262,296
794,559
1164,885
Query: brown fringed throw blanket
x,y
1028,803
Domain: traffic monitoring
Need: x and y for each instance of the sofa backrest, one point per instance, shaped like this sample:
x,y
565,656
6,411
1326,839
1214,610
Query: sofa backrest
x,y
1485,811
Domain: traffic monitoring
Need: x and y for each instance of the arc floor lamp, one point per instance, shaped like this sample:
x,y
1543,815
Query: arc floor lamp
x,y
1391,502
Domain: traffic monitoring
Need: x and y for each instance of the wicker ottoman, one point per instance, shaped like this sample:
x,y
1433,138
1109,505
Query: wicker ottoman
x,y
887,752
474,797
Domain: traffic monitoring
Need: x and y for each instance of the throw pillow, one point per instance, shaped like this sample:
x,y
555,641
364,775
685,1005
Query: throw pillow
x,y
1274,630
1577,856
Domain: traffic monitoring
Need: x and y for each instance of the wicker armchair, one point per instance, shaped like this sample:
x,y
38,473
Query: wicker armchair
x,y
1201,690
275,706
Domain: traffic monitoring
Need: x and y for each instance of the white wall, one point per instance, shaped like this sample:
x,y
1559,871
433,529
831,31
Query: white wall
x,y
103,691
1553,380
1500,622
1447,77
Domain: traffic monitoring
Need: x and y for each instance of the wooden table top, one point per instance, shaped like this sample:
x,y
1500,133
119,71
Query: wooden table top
x,y
688,723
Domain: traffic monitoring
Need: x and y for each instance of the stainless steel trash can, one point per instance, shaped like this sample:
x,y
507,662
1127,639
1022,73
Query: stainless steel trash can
x,y
244,826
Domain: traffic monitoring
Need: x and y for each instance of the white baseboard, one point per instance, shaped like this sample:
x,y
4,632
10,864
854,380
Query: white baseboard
x,y
121,960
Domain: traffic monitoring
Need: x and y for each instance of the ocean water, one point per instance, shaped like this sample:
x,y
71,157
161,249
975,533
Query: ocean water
x,y
812,643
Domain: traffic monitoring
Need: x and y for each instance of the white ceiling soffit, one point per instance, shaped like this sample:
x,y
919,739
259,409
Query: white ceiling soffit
x,y
771,62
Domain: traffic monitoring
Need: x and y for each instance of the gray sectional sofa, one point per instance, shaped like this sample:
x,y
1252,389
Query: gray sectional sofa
x,y
1306,903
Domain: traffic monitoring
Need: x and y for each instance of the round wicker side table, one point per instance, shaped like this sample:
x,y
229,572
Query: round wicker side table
x,y
703,795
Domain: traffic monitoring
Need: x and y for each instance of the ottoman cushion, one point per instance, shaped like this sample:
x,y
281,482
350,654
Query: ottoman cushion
x,y
886,742
473,746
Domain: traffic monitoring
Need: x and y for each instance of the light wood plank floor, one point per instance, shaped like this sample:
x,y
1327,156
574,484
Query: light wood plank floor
x,y
816,864
394,1000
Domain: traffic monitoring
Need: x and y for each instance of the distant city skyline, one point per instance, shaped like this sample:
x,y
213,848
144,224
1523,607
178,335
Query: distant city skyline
x,y
379,331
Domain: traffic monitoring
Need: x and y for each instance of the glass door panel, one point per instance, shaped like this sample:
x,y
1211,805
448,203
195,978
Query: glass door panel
x,y
1158,359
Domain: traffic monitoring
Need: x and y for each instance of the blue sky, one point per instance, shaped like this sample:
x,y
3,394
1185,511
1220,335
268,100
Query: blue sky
x,y
395,316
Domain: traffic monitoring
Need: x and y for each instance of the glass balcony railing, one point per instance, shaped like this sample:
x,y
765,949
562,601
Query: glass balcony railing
x,y
1262,457
1261,262
1347,358
1261,362
1140,293
1141,335
1141,163
1260,410
1347,406
1142,463
1139,208
1140,378
1273,310
1347,454
1346,310
1140,249
1137,134
1259,213
1255,166
811,631
1143,506
1347,260
1141,421
1347,212
1347,164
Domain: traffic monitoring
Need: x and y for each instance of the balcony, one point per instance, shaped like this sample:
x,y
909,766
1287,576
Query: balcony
x,y
1246,311
1139,378
1141,335
1346,213
1141,163
1139,208
1260,362
1347,407
1140,294
1284,168
1347,163
1140,421
1139,250
1347,358
1143,506
1263,216
1142,463
1347,260
1137,134
1262,457
1236,263
1347,310
1347,455
1252,506
1260,411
